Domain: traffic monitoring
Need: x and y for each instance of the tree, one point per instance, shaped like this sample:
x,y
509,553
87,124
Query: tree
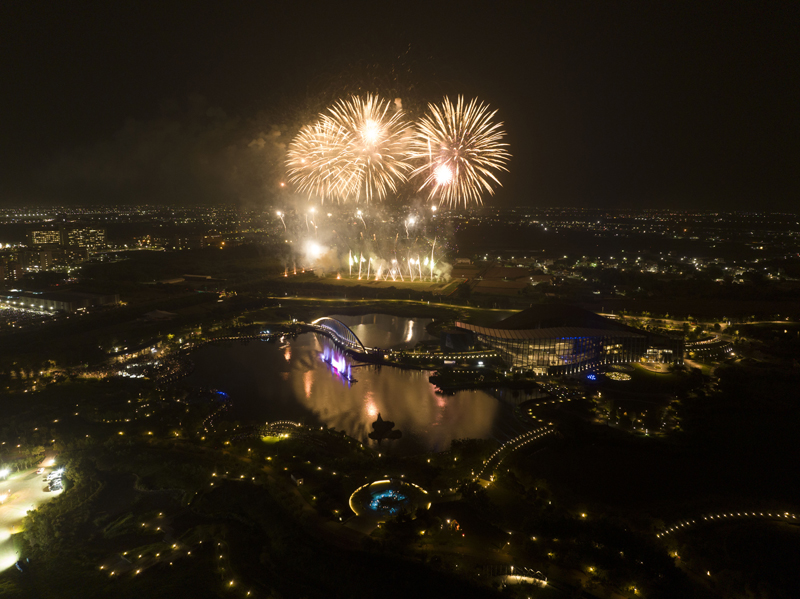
x,y
383,430
625,422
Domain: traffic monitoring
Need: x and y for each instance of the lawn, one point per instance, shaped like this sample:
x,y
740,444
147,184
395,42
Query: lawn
x,y
627,475
416,285
643,381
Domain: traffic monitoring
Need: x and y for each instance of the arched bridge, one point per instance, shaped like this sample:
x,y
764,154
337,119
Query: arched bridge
x,y
340,333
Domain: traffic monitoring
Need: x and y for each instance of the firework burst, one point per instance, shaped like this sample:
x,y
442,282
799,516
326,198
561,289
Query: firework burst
x,y
319,162
357,150
461,149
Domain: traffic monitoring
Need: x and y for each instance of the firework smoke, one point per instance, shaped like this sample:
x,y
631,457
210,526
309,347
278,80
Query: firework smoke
x,y
337,244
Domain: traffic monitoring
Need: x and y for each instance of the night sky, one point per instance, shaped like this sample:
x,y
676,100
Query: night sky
x,y
607,104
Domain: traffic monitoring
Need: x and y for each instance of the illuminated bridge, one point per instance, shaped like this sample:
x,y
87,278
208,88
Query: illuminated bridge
x,y
340,333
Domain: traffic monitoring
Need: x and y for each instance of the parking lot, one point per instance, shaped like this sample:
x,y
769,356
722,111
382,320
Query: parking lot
x,y
19,493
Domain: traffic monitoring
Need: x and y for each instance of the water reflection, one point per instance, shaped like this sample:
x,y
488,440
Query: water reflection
x,y
387,331
427,420
264,386
409,331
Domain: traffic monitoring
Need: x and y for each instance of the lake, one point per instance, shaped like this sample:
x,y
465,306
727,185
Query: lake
x,y
290,381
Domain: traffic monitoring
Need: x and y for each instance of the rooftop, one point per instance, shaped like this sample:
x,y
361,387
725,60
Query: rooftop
x,y
548,316
553,320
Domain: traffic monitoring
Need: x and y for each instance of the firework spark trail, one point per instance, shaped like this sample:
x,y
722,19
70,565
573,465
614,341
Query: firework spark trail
x,y
461,149
393,259
397,270
432,248
409,222
280,216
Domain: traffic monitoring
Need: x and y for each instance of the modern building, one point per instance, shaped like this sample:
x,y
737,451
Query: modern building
x,y
557,339
59,301
44,237
38,259
91,238
10,268
129,352
68,236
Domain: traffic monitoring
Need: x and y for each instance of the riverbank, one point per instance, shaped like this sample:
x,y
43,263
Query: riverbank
x,y
447,384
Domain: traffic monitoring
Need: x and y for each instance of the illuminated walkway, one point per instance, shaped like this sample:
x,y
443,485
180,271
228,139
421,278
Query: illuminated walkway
x,y
725,516
509,447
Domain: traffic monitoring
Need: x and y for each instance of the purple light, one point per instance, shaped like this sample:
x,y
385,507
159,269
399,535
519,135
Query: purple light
x,y
338,363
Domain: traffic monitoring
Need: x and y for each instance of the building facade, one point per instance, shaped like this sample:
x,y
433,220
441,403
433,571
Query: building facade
x,y
556,339
60,301
90,238
46,237
561,350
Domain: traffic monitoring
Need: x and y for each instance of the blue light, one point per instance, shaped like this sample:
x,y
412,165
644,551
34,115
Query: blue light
x,y
591,376
388,502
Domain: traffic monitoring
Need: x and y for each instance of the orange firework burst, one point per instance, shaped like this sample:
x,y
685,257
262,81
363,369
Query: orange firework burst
x,y
356,150
461,149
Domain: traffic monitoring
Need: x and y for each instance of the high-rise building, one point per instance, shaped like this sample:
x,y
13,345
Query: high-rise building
x,y
37,259
88,238
47,237
8,269
91,238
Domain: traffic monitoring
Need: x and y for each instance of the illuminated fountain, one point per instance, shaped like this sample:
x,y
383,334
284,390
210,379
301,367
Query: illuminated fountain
x,y
338,363
386,498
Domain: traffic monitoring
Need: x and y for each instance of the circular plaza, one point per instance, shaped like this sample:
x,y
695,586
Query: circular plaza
x,y
384,499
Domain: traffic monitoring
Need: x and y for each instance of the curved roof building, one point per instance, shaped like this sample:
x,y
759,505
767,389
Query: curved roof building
x,y
558,339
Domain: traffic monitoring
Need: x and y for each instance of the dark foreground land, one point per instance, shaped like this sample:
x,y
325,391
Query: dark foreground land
x,y
165,496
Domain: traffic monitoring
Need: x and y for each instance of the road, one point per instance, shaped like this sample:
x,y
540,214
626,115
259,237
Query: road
x,y
305,298
22,491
